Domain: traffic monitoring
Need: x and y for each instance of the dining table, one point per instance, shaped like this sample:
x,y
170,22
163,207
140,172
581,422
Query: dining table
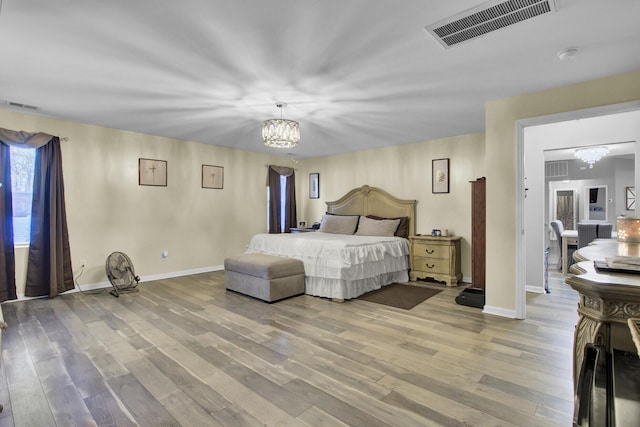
x,y
570,237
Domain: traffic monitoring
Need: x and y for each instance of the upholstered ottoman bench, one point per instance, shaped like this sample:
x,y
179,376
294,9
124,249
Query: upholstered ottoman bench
x,y
266,277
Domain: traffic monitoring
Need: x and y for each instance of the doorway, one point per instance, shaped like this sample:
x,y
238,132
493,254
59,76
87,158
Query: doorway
x,y
531,142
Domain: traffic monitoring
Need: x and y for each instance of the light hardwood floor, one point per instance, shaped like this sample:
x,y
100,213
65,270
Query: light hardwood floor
x,y
184,352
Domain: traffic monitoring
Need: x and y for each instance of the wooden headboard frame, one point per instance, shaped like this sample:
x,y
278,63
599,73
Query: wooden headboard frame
x,y
374,201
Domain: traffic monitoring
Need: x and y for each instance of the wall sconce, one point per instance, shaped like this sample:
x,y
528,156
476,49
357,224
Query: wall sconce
x,y
628,228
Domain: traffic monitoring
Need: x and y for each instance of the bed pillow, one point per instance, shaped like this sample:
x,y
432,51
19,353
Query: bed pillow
x,y
339,224
377,227
403,227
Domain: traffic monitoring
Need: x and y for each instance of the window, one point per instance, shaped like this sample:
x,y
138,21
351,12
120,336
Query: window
x,y
22,168
283,201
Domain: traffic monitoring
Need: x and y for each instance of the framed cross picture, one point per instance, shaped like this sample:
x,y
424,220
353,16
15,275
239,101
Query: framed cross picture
x,y
152,172
440,176
314,185
212,177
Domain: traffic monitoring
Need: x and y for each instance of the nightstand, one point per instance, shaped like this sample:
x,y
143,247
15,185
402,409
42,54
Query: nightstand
x,y
302,230
436,257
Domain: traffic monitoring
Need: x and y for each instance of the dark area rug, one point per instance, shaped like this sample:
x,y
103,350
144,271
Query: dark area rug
x,y
399,295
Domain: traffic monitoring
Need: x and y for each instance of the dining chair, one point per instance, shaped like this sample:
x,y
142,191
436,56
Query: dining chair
x,y
604,231
587,232
558,228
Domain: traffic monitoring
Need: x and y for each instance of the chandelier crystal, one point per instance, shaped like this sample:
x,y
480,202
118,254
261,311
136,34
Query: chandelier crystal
x,y
591,155
280,133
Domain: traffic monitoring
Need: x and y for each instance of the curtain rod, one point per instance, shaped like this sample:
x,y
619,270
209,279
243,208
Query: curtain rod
x,y
295,169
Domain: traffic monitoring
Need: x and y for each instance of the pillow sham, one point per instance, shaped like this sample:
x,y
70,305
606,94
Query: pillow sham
x,y
377,227
339,224
403,227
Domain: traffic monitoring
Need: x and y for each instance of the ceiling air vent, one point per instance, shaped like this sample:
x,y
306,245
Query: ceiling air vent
x,y
486,18
19,105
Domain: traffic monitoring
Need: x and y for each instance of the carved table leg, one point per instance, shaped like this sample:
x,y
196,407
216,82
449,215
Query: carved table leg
x,y
587,331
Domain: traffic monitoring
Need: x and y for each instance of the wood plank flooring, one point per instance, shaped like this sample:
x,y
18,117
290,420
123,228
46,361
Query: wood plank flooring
x,y
184,352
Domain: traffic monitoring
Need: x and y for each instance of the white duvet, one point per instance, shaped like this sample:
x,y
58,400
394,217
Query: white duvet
x,y
338,265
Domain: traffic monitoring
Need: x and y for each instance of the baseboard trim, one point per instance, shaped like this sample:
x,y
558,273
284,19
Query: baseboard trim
x,y
181,273
534,289
499,311
170,275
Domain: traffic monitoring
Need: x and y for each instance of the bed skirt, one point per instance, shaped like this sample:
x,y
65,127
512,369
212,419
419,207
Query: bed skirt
x,y
347,289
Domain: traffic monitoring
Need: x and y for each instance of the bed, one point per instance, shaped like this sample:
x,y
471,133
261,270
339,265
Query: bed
x,y
344,266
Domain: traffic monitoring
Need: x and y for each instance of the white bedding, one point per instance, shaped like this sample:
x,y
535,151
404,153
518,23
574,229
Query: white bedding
x,y
338,265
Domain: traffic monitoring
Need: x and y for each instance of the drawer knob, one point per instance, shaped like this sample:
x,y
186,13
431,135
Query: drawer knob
x,y
430,251
430,265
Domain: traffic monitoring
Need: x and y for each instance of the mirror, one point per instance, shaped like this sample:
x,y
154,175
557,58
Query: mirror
x,y
595,203
565,208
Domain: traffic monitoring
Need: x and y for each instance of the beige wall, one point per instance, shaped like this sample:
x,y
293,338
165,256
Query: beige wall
x,y
501,117
108,211
405,172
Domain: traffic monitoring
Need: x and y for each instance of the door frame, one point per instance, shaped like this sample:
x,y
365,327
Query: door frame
x,y
520,294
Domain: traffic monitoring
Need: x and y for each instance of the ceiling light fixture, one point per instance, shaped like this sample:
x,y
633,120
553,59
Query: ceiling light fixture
x,y
280,133
591,155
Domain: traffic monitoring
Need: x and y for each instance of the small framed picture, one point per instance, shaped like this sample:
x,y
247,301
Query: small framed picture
x,y
630,198
314,185
152,172
212,177
440,176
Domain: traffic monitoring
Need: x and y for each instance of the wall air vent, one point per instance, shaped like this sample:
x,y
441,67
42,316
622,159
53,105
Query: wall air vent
x,y
557,169
19,105
486,18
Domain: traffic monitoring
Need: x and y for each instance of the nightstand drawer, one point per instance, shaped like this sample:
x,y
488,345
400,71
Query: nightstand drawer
x,y
431,265
430,251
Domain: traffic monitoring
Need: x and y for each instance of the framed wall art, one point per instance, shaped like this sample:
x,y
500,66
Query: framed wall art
x,y
630,198
152,172
440,176
212,177
314,185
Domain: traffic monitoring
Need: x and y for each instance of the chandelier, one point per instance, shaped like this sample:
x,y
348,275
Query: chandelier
x,y
591,155
280,133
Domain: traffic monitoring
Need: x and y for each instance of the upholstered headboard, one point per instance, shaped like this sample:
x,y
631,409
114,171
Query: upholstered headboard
x,y
374,201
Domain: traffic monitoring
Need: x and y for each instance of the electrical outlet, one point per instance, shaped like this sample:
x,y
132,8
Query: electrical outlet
x,y
83,263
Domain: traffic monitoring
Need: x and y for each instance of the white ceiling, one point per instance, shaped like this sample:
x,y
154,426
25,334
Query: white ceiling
x,y
356,74
619,132
617,149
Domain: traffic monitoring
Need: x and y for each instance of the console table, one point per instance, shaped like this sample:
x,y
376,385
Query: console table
x,y
607,301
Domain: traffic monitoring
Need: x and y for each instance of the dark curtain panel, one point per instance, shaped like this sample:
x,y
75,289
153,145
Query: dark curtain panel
x,y
274,201
275,192
290,214
49,267
7,255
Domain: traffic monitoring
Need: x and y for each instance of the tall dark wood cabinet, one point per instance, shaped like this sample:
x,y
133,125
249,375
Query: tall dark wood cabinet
x,y
474,296
478,232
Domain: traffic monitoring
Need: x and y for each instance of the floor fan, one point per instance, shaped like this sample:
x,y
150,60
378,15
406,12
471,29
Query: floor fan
x,y
121,273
